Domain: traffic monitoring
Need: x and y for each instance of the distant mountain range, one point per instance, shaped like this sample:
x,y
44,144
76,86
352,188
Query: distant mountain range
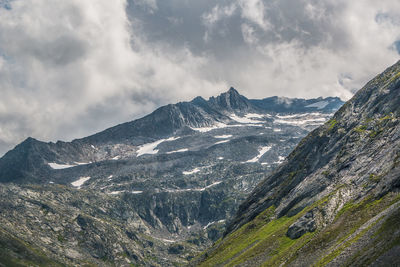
x,y
153,191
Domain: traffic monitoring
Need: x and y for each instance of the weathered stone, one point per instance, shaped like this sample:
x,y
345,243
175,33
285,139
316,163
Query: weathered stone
x,y
303,225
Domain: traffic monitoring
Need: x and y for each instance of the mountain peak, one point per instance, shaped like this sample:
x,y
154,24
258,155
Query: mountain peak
x,y
231,101
232,91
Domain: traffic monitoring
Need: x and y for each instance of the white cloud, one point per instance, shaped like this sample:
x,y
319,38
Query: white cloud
x,y
248,33
218,13
71,68
254,11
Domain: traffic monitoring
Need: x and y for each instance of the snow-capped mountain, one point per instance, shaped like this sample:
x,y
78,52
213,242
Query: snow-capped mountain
x,y
178,173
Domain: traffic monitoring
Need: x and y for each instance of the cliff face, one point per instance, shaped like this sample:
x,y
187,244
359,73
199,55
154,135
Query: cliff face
x,y
335,198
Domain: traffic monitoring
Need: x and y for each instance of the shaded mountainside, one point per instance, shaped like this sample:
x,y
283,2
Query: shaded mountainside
x,y
335,200
154,191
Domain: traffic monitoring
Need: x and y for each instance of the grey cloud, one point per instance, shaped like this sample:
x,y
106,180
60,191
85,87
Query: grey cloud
x,y
62,50
71,68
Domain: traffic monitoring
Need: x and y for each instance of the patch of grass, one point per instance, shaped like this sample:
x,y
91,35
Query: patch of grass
x,y
387,117
396,76
361,129
326,173
332,123
262,235
347,222
16,252
60,238
374,178
264,240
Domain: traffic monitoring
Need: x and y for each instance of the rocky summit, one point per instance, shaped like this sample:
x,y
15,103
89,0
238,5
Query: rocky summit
x,y
154,191
335,199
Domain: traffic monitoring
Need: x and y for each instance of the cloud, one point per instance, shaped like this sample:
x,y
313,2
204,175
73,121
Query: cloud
x,y
218,13
254,11
72,68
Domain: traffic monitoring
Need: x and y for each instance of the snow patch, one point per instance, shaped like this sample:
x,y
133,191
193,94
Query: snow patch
x,y
150,148
218,125
220,158
277,130
191,172
211,223
254,115
193,189
57,166
280,160
242,119
315,121
208,186
178,151
222,125
223,136
137,192
116,192
319,105
261,152
78,183
221,142
82,163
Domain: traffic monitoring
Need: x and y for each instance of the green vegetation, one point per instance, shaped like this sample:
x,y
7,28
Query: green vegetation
x,y
374,126
264,240
374,178
396,76
332,123
360,129
326,173
15,252
60,238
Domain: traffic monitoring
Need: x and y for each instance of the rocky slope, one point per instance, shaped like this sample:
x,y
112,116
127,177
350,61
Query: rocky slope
x,y
335,200
153,191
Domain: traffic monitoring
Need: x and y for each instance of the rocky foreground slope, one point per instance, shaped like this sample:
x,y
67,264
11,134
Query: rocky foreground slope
x,y
151,192
335,200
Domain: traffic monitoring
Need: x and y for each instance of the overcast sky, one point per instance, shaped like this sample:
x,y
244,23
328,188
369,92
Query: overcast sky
x,y
71,68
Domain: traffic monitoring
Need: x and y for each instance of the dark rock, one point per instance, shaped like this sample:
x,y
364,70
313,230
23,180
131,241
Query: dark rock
x,y
176,249
303,225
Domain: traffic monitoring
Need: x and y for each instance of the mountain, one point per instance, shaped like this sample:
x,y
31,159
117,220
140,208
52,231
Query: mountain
x,y
28,161
335,200
154,191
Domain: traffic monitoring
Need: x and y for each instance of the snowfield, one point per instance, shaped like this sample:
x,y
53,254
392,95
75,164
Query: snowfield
x,y
57,166
78,183
178,151
223,136
150,148
318,105
261,152
243,119
191,172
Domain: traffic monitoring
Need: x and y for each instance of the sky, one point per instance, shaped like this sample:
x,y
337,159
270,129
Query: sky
x,y
71,68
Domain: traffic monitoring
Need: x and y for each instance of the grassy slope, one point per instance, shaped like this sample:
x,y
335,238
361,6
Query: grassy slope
x,y
15,252
263,241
